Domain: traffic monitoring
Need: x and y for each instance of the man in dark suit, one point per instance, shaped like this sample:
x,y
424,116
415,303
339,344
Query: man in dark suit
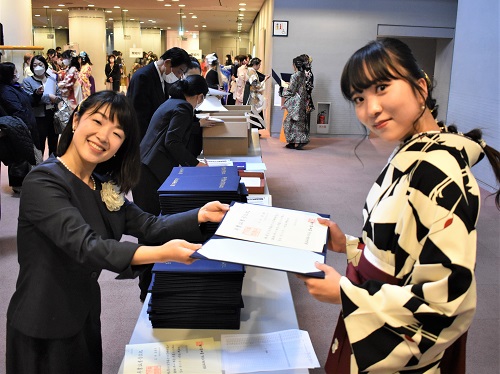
x,y
147,89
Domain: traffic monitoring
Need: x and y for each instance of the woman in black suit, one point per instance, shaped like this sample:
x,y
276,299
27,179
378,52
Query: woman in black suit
x,y
165,143
113,73
72,215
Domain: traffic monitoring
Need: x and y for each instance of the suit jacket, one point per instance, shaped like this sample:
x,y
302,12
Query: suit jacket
x,y
65,237
165,143
146,94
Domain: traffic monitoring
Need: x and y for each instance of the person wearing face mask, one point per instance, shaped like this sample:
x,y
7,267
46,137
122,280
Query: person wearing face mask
x,y
17,103
147,89
113,74
165,146
42,78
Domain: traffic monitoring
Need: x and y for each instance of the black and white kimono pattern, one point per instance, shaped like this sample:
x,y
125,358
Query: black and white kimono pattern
x,y
419,226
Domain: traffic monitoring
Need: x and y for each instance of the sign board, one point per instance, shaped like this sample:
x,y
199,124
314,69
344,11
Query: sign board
x,y
135,53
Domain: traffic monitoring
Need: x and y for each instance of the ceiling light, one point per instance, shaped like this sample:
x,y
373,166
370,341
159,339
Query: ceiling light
x,y
132,19
116,7
242,4
204,26
91,5
37,15
194,17
184,16
58,10
46,6
174,0
181,5
168,4
141,22
169,28
195,25
125,10
61,5
242,9
109,11
110,19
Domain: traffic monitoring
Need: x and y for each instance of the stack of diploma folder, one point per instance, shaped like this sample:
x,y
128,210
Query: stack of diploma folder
x,y
192,187
203,295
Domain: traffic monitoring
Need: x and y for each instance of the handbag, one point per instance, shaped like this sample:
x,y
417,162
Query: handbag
x,y
109,86
61,117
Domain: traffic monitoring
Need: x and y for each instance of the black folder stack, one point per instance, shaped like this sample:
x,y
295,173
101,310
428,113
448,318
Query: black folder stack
x,y
192,187
203,295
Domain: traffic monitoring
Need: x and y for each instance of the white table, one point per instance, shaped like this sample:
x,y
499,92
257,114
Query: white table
x,y
268,308
266,296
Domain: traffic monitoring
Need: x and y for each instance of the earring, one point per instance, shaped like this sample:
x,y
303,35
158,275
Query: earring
x,y
422,107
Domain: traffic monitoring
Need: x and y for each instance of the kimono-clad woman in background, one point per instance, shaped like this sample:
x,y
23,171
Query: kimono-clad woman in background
x,y
409,294
295,95
69,85
85,77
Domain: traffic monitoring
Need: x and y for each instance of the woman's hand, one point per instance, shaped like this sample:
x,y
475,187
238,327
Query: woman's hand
x,y
326,290
205,122
336,238
175,250
213,211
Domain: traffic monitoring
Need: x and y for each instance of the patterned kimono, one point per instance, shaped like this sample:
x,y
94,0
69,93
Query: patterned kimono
x,y
295,123
84,79
419,244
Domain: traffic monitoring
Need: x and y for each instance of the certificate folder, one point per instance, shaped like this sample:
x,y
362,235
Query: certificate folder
x,y
269,237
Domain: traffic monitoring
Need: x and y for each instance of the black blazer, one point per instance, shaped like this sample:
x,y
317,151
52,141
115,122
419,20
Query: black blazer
x,y
146,94
165,143
65,237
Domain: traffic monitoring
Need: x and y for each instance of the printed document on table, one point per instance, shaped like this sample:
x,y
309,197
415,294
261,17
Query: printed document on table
x,y
275,226
282,350
201,356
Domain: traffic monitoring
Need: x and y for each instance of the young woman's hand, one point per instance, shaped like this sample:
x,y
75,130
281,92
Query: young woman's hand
x,y
336,238
326,290
174,250
213,211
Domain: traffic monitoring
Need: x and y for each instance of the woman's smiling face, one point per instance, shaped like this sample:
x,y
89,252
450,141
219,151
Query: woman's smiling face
x,y
390,109
96,138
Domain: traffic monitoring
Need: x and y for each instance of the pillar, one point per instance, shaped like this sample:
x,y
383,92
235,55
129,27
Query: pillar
x,y
15,17
127,34
87,32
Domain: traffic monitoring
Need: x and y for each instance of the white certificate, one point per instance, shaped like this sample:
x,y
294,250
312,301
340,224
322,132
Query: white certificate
x,y
275,226
282,350
183,356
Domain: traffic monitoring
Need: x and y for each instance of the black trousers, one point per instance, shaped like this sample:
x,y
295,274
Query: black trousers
x,y
46,132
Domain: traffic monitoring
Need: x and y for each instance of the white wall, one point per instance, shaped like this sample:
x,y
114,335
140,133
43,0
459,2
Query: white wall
x,y
474,92
331,30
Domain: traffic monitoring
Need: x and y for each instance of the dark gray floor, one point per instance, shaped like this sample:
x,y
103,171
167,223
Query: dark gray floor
x,y
326,177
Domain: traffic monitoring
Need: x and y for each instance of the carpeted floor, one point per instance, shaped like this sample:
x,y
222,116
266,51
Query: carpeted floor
x,y
325,177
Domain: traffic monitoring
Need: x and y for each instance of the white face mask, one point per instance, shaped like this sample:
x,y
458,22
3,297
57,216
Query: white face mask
x,y
170,78
66,62
16,77
39,70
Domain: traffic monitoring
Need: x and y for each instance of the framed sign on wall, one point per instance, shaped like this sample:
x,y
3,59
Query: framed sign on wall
x,y
280,28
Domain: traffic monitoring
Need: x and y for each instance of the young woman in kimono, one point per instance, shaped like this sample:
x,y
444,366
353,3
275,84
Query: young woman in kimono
x,y
72,216
409,294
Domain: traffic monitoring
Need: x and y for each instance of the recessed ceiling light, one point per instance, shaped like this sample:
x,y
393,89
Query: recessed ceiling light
x,y
37,15
125,10
241,15
195,25
110,19
168,4
46,6
132,19
181,5
194,17
61,5
169,28
141,22
242,4
242,9
184,16
174,0
91,5
116,7
109,11
204,26
58,10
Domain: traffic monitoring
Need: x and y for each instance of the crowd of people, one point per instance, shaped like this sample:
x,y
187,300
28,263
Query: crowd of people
x,y
410,277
